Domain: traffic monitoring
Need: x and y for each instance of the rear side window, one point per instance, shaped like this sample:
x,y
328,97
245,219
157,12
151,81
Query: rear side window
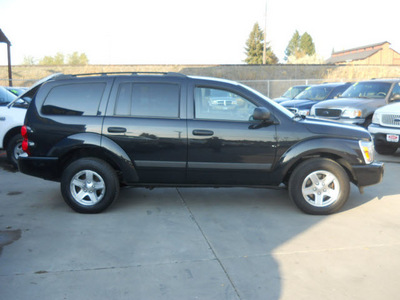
x,y
78,99
154,100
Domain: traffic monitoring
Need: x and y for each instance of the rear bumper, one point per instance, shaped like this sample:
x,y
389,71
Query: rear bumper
x,y
368,174
43,167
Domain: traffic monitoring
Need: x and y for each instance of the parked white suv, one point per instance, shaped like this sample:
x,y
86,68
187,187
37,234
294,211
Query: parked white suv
x,y
12,117
385,128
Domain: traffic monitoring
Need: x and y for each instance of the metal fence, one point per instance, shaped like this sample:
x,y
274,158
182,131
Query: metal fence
x,y
275,88
270,88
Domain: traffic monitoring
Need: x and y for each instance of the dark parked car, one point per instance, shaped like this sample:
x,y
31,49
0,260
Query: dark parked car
x,y
291,93
312,95
359,102
97,133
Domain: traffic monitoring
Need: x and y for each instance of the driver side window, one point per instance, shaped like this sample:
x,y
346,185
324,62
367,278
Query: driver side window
x,y
218,104
396,92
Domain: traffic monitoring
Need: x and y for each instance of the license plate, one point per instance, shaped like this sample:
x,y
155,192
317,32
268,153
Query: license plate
x,y
394,138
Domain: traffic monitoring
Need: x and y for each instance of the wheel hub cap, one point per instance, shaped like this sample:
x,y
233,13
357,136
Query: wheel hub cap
x,y
320,188
87,187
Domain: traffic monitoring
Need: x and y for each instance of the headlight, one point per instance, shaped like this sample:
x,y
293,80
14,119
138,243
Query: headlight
x,y
376,118
312,111
304,112
367,149
351,113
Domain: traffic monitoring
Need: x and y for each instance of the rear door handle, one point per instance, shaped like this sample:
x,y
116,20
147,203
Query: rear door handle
x,y
203,132
116,129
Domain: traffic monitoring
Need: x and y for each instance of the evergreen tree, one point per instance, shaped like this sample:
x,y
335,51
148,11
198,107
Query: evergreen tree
x,y
307,45
300,46
293,46
255,46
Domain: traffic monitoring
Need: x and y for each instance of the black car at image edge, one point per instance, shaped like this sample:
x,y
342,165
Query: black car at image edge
x,y
95,133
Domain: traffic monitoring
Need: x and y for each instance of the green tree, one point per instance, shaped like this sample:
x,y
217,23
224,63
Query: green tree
x,y
254,48
77,59
307,45
29,60
300,46
59,59
46,60
293,46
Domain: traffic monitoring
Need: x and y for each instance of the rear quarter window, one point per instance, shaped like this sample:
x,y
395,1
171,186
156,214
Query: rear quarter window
x,y
77,99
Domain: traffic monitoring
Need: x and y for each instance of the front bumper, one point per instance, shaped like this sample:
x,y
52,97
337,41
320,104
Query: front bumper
x,y
376,129
368,174
380,133
43,167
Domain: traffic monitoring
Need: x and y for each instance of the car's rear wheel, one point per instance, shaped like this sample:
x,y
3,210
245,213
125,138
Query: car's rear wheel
x,y
14,149
89,185
319,186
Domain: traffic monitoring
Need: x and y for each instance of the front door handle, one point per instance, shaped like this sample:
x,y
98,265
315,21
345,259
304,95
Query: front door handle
x,y
116,129
203,132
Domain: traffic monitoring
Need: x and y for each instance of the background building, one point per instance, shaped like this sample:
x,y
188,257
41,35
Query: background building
x,y
375,54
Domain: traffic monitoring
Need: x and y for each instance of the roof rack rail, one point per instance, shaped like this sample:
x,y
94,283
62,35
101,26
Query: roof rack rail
x,y
63,76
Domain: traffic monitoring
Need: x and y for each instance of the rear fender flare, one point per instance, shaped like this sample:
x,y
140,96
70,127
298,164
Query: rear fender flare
x,y
95,141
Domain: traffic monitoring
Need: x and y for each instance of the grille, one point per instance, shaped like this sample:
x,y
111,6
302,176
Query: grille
x,y
324,112
391,120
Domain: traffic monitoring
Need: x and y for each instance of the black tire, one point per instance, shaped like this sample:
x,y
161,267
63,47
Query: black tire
x,y
385,149
328,190
14,149
89,185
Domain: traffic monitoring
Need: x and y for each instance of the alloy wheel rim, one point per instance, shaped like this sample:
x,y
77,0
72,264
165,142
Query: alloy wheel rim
x,y
87,187
321,188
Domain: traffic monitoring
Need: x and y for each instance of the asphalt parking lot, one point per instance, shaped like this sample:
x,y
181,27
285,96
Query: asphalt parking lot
x,y
192,243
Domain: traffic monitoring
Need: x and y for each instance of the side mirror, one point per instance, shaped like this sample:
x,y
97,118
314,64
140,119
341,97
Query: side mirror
x,y
261,114
395,97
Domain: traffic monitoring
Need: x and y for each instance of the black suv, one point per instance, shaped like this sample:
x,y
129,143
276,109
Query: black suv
x,y
95,133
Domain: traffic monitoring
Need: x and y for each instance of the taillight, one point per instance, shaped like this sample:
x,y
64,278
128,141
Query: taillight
x,y
25,142
24,132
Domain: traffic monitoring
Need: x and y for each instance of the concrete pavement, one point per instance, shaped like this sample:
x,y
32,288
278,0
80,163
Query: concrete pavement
x,y
192,243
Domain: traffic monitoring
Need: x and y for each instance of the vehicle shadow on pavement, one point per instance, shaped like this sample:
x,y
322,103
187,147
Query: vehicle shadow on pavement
x,y
241,227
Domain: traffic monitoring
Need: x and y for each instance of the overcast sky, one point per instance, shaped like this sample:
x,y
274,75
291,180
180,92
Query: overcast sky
x,y
187,31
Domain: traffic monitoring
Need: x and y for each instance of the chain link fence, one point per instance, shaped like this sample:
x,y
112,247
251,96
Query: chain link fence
x,y
270,88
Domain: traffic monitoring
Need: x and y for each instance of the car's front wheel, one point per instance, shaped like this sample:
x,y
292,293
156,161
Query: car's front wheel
x,y
319,186
89,185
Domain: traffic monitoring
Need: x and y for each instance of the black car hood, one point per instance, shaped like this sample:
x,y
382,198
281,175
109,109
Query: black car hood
x,y
280,100
335,129
299,103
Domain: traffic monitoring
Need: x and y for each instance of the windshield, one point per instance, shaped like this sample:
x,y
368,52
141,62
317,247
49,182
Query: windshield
x,y
367,90
293,91
315,93
6,96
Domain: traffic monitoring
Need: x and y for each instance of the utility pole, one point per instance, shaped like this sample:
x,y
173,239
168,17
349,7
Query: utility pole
x,y
265,36
4,39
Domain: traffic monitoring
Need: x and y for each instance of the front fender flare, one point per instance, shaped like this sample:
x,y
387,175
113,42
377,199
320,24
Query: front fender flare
x,y
344,150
